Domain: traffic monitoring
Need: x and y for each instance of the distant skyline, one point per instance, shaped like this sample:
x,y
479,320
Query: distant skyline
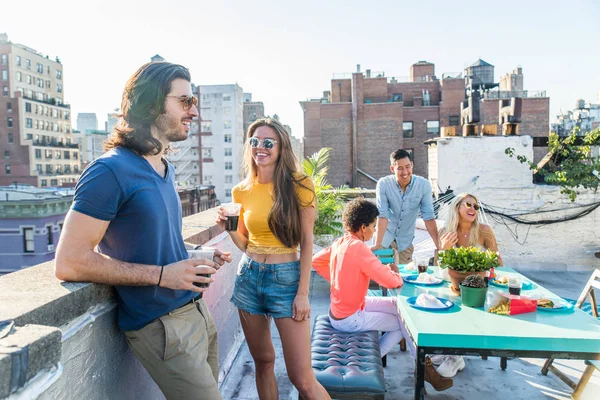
x,y
285,52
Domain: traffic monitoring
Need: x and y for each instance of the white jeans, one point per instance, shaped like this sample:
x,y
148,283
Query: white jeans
x,y
380,314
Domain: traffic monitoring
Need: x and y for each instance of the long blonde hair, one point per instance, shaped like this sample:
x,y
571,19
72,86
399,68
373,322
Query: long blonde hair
x,y
284,217
453,219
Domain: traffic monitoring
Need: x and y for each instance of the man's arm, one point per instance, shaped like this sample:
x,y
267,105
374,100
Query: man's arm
x,y
431,226
76,260
382,224
320,263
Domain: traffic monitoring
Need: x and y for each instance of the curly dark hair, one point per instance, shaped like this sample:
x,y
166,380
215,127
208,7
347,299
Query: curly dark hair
x,y
359,212
142,103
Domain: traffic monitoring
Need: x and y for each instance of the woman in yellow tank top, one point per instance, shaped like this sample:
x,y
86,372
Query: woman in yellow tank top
x,y
275,233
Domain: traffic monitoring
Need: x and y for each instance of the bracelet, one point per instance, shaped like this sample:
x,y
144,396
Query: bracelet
x,y
198,247
160,276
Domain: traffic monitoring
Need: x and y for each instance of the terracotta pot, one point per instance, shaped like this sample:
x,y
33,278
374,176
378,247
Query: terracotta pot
x,y
457,277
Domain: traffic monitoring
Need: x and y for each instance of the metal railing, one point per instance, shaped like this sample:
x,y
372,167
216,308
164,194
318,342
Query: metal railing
x,y
507,94
452,75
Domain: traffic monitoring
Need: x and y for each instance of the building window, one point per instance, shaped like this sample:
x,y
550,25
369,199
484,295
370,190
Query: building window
x,y
8,107
228,152
11,137
226,97
227,192
228,165
227,110
75,157
27,63
48,84
28,240
5,91
433,127
38,154
67,155
76,169
227,124
38,168
412,153
4,59
227,138
43,183
19,61
67,169
58,154
6,154
49,236
397,97
28,123
49,168
28,107
4,74
53,182
58,74
208,179
407,129
454,120
9,122
59,88
228,178
7,169
40,68
29,79
19,77
207,152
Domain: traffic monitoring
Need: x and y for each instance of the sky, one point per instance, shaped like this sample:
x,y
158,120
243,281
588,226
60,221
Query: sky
x,y
284,52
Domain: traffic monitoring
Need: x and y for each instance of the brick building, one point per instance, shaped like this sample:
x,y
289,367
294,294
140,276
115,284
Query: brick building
x,y
35,123
381,114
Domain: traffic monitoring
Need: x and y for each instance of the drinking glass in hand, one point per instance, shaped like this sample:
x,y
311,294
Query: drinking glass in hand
x,y
232,211
205,253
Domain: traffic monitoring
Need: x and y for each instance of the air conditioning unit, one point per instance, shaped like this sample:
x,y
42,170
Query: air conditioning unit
x,y
50,247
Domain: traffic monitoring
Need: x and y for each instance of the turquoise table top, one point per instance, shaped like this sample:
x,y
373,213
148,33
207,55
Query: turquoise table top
x,y
466,327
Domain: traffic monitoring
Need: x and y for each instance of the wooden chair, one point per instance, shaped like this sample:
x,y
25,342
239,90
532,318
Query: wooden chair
x,y
588,291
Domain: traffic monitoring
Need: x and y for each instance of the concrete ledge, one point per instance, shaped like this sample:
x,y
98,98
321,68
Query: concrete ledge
x,y
25,352
35,296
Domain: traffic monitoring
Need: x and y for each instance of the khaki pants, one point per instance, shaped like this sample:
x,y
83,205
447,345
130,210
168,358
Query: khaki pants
x,y
179,351
402,257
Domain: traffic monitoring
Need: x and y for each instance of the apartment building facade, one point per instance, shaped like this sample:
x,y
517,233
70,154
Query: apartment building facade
x,y
222,137
35,123
365,116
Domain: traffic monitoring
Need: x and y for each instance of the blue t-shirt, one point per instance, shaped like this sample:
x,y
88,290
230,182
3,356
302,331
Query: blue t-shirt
x,y
144,211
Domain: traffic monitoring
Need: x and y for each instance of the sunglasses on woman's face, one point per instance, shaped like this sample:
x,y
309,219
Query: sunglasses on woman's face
x,y
474,206
187,101
266,143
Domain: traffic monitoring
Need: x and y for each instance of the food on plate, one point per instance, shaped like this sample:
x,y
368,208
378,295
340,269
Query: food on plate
x,y
427,300
502,308
426,278
545,303
411,266
503,280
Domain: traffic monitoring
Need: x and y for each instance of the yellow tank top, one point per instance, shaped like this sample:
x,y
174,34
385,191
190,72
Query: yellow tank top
x,y
257,201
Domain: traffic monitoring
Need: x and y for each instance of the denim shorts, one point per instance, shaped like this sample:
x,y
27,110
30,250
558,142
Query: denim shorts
x,y
267,289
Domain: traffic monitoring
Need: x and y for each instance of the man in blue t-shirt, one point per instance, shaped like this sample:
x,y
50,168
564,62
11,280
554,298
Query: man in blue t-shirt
x,y
124,229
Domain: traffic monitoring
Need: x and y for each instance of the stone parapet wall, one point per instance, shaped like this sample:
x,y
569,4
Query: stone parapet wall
x,y
65,342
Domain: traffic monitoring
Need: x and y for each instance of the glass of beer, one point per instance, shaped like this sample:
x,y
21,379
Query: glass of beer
x,y
514,285
232,211
422,265
205,253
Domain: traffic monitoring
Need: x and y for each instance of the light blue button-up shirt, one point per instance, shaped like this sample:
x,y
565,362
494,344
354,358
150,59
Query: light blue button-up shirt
x,y
402,209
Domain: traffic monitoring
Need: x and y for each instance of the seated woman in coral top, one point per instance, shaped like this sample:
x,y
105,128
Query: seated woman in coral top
x,y
348,264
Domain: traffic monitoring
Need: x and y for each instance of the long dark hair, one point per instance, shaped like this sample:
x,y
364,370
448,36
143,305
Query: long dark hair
x,y
284,217
142,103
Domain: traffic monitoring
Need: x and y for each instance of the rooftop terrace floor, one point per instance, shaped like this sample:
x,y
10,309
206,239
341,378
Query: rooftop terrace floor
x,y
481,378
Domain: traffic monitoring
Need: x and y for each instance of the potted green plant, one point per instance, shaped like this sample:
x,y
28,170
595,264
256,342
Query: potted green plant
x,y
464,261
473,291
330,202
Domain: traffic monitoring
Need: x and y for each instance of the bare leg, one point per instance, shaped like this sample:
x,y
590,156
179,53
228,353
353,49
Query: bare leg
x,y
258,336
295,339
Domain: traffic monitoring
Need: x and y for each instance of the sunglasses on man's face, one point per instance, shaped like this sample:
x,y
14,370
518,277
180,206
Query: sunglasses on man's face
x,y
266,143
474,206
187,101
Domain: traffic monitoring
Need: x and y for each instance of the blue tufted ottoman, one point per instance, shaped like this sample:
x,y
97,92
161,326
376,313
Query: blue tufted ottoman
x,y
348,365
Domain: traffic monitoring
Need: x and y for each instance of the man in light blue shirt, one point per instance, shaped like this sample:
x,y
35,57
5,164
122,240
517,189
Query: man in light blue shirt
x,y
400,197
